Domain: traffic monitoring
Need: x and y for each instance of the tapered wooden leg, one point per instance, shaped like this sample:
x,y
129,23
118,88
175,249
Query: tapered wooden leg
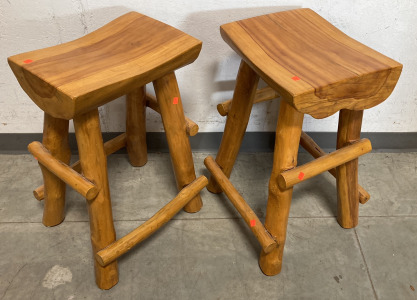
x,y
55,139
236,123
169,99
350,123
136,127
287,139
94,165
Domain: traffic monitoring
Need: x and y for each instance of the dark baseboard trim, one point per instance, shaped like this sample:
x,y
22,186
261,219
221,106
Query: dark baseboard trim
x,y
16,143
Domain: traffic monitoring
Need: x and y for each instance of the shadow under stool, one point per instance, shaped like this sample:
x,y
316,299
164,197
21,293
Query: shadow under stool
x,y
317,70
70,81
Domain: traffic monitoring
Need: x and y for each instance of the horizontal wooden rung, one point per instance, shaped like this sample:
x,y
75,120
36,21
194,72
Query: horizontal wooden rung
x,y
261,95
123,245
311,147
251,219
324,163
110,147
115,144
78,182
191,126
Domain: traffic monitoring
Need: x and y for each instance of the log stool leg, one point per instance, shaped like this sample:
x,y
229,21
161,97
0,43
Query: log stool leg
x,y
55,139
169,99
287,139
94,165
136,127
349,130
236,123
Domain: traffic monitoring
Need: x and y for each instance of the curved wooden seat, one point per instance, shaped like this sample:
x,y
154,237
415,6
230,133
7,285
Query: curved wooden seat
x,y
317,68
75,77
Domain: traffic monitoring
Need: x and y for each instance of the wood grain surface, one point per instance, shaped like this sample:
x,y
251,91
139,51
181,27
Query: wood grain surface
x,y
74,77
316,68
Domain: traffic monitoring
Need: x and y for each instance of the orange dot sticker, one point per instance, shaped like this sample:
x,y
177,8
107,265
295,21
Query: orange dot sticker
x,y
28,61
295,78
175,101
36,158
301,176
252,223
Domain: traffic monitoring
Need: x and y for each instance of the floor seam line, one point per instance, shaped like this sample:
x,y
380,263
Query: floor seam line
x,y
194,219
387,216
366,265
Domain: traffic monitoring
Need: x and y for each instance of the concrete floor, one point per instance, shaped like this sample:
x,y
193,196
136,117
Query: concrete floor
x,y
211,254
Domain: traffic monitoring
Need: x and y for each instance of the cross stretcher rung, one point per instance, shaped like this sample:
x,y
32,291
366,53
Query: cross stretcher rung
x,y
251,219
78,182
261,95
311,147
124,244
110,147
324,163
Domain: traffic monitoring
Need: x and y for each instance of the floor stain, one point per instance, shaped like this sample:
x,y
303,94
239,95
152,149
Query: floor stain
x,y
337,278
57,275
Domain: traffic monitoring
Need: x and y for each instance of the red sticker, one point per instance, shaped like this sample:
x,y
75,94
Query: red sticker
x,y
301,176
252,223
36,158
295,78
28,61
175,101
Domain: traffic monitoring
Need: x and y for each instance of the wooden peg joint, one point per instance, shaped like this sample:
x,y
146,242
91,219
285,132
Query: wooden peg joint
x,y
311,147
110,147
324,163
78,182
123,245
262,235
261,95
191,126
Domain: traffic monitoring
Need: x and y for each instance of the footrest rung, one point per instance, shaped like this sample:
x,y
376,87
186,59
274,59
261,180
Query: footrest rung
x,y
110,147
324,163
78,182
123,245
311,147
260,232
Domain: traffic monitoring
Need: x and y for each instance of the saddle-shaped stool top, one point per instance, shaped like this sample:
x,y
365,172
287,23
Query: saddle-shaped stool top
x,y
317,68
71,78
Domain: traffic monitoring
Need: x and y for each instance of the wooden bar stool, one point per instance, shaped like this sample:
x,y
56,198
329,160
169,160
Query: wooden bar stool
x,y
70,81
317,70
